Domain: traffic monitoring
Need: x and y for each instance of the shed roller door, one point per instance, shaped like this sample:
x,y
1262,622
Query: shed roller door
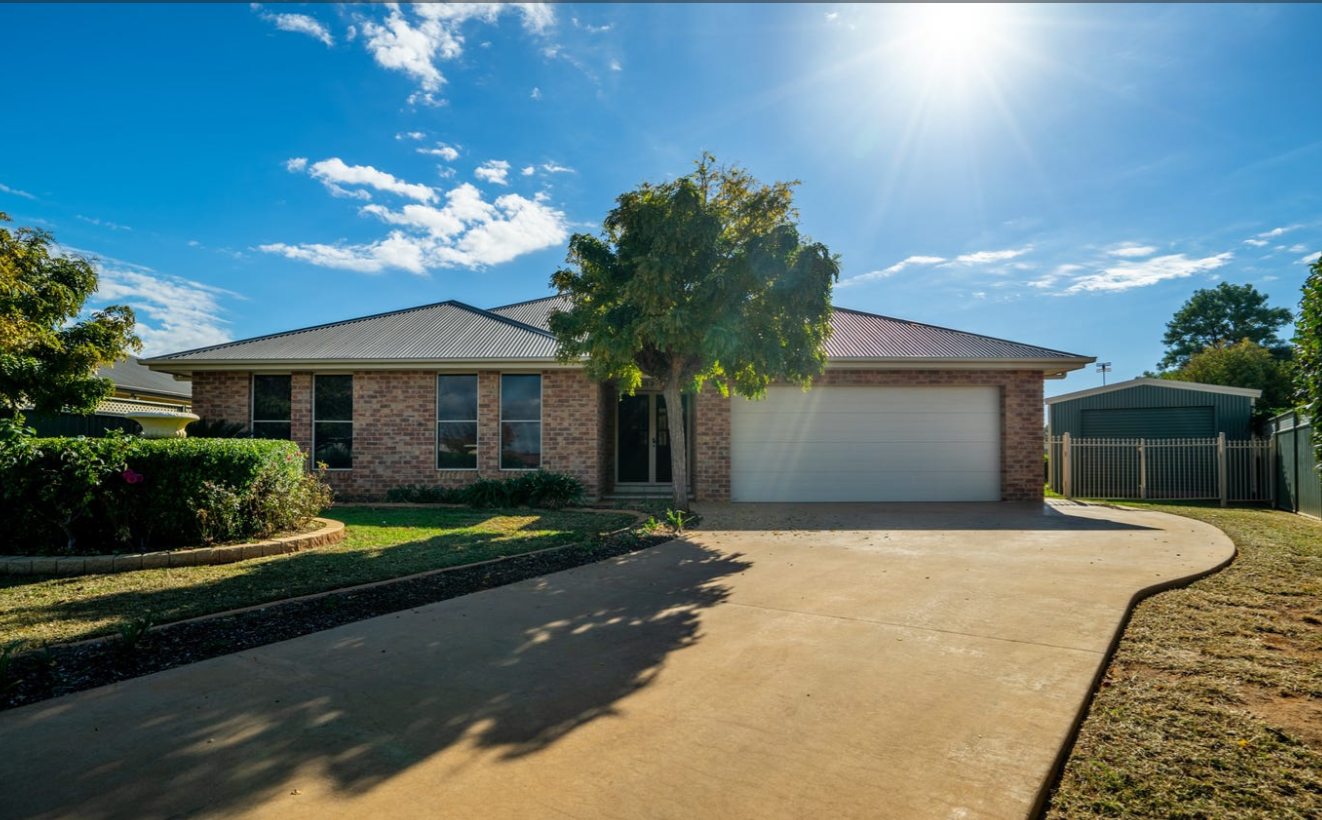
x,y
867,444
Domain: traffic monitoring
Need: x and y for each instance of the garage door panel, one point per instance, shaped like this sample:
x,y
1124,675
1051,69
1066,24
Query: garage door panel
x,y
871,427
867,444
850,457
958,485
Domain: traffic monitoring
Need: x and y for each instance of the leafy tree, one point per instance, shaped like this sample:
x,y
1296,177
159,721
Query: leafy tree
x,y
47,359
1243,364
704,278
1308,352
1221,315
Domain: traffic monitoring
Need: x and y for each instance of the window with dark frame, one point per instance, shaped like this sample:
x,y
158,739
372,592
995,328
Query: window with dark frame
x,y
271,407
520,421
332,421
456,422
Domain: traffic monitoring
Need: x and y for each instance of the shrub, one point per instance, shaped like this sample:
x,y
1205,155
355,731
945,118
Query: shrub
x,y
542,488
91,495
489,492
539,488
416,494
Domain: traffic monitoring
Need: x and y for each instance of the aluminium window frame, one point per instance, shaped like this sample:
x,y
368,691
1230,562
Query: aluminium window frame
x,y
350,422
540,421
475,421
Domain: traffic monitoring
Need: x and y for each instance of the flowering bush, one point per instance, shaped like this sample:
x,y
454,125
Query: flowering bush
x,y
83,495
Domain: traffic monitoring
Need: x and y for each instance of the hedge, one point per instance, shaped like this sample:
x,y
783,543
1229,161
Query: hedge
x,y
62,496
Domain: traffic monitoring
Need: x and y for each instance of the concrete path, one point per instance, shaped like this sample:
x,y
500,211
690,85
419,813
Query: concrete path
x,y
832,661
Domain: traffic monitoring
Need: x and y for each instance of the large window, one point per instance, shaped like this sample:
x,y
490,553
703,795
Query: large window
x,y
520,422
270,407
456,422
332,422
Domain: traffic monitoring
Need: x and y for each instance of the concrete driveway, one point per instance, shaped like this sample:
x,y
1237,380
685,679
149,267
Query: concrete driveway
x,y
835,661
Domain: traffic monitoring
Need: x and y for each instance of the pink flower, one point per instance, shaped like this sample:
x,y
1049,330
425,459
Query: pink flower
x,y
132,477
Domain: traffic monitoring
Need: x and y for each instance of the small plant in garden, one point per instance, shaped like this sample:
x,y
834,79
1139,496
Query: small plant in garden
x,y
651,525
132,633
677,519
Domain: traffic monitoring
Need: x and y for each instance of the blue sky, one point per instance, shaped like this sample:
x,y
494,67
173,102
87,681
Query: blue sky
x,y
1059,175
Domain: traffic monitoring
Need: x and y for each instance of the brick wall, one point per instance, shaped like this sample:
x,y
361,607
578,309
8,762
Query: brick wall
x,y
395,426
1021,425
222,396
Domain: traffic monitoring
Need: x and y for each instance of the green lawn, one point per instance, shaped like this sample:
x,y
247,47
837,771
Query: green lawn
x,y
1212,705
381,543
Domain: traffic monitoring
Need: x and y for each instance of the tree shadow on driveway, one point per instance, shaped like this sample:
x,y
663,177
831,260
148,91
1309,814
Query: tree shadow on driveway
x,y
510,670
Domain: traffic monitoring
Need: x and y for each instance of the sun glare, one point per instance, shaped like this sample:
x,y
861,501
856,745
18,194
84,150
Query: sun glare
x,y
954,39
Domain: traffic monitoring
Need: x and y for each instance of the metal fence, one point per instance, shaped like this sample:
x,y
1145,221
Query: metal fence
x,y
1298,488
1176,469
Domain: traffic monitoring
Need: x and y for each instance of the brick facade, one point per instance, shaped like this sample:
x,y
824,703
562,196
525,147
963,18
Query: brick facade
x,y
395,426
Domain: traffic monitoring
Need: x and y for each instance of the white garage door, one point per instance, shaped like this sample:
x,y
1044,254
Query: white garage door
x,y
867,444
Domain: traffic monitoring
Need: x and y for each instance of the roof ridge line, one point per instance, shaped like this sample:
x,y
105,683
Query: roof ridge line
x,y
308,329
527,302
507,320
960,332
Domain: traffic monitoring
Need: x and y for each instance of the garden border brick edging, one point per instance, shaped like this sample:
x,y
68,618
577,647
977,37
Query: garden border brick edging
x,y
330,532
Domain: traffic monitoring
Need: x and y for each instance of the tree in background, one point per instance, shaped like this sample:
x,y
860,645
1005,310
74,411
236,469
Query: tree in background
x,y
48,360
1243,364
705,278
1220,316
1308,352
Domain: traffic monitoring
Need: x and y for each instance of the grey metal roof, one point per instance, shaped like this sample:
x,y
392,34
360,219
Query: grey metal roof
x,y
535,312
440,332
859,335
1170,384
130,376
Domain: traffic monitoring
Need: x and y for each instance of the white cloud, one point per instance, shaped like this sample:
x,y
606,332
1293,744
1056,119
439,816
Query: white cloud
x,y
987,257
536,94
334,173
173,313
102,223
1257,243
892,270
1056,275
1310,258
415,41
296,165
615,65
1132,251
1276,231
410,135
6,189
553,168
494,171
1128,275
446,152
1300,248
528,171
297,23
465,232
590,29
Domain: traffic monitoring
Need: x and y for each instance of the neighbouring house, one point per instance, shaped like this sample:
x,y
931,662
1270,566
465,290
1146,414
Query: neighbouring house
x,y
138,389
1154,409
442,394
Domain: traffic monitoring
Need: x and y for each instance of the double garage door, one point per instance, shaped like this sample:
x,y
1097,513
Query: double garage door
x,y
867,444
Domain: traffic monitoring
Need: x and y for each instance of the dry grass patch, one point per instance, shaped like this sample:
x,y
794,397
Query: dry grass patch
x,y
1212,705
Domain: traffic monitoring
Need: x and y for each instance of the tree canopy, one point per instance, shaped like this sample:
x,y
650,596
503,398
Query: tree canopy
x,y
1308,351
1219,316
49,357
705,278
1242,364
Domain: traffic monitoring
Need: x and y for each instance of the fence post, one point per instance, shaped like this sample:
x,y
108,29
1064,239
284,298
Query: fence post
x,y
1221,467
1142,469
1067,471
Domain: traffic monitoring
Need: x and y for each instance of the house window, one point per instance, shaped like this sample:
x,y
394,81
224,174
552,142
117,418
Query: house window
x,y
270,407
456,422
332,422
520,422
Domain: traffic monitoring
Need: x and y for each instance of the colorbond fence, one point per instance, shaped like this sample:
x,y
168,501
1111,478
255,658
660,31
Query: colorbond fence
x,y
1298,485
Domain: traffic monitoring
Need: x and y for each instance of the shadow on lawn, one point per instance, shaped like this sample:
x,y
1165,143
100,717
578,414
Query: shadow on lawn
x,y
512,670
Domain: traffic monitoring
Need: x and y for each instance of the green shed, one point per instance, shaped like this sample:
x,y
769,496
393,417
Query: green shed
x,y
1154,409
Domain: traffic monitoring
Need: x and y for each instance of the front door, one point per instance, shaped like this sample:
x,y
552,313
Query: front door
x,y
642,442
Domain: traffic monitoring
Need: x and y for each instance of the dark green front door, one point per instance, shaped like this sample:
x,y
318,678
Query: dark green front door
x,y
642,444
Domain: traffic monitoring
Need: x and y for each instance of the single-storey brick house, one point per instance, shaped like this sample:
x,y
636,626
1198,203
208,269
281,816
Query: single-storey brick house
x,y
441,394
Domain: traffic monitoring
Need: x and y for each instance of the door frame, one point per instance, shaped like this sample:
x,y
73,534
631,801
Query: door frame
x,y
652,396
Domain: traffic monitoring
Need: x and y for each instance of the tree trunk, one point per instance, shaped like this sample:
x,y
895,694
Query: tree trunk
x,y
679,450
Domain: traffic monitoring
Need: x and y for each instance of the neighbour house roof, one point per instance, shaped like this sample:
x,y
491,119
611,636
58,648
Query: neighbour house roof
x,y
452,332
1247,392
133,379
